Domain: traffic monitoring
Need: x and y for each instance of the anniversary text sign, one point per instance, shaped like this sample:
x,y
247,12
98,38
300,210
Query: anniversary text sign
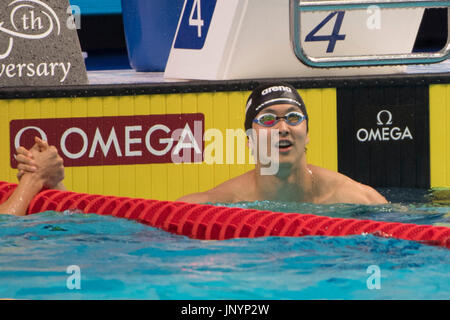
x,y
39,44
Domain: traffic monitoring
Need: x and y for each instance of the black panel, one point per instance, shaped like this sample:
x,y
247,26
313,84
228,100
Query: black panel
x,y
383,135
432,35
102,32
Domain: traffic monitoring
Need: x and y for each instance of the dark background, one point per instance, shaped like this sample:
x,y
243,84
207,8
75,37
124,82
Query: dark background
x,y
384,163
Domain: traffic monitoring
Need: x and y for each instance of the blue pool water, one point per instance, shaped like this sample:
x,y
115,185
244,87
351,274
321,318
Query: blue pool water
x,y
121,259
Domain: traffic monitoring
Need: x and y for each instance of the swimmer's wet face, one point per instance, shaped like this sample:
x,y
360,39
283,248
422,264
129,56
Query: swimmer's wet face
x,y
277,117
287,138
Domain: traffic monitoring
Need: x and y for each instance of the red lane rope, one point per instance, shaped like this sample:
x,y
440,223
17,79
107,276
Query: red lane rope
x,y
209,222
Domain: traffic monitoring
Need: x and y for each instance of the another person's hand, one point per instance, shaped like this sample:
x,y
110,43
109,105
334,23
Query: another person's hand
x,y
26,163
41,166
42,160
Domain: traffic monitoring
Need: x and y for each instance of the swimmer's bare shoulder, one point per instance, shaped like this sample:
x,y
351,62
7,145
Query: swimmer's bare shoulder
x,y
338,188
234,190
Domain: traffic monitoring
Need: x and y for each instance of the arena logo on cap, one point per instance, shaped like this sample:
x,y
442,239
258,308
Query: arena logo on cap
x,y
385,131
276,89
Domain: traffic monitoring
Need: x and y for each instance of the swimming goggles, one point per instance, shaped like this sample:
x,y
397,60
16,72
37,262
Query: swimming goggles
x,y
269,119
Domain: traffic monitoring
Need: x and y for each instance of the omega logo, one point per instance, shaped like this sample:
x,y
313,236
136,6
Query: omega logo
x,y
389,119
385,130
171,138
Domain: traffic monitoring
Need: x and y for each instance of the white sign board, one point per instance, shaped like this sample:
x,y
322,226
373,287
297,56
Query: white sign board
x,y
247,39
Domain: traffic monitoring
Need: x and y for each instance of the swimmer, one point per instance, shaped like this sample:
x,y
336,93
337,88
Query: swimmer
x,y
280,107
43,168
277,108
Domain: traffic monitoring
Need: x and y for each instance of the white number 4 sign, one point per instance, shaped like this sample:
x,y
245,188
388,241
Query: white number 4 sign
x,y
197,22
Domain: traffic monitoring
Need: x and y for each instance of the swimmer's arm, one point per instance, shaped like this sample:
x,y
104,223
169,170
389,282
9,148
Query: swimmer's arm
x,y
49,166
198,198
211,196
230,191
374,197
19,201
357,193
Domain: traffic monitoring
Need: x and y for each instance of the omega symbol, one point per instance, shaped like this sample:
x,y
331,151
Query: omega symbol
x,y
389,118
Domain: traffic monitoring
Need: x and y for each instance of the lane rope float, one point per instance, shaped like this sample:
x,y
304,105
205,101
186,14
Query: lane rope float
x,y
208,222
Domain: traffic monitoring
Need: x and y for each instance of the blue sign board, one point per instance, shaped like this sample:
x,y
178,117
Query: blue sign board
x,y
194,27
